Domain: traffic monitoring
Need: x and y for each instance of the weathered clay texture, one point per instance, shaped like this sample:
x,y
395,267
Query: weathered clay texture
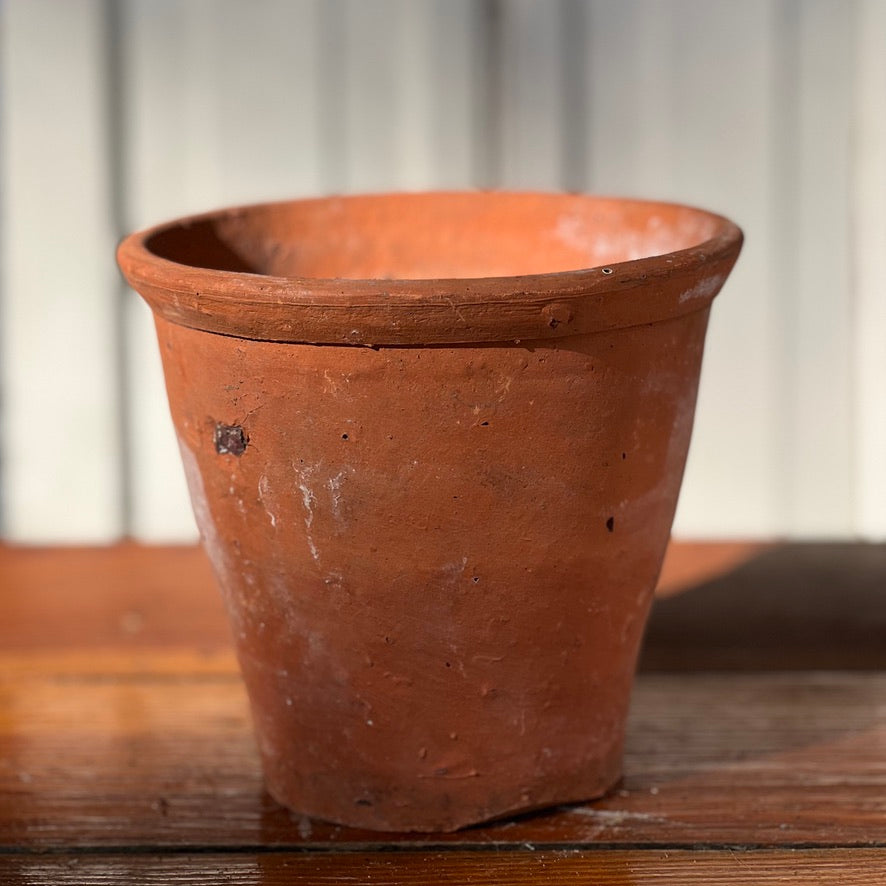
x,y
437,552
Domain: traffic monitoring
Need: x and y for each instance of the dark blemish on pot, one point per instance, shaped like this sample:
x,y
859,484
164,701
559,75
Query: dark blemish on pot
x,y
484,424
230,439
448,664
344,436
553,323
610,524
389,641
362,802
476,579
606,270
624,455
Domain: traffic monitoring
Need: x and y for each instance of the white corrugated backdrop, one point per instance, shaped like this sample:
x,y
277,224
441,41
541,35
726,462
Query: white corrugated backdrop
x,y
115,114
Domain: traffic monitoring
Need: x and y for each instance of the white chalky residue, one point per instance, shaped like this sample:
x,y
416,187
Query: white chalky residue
x,y
200,505
308,500
454,570
263,490
212,543
334,486
334,579
611,817
571,231
703,288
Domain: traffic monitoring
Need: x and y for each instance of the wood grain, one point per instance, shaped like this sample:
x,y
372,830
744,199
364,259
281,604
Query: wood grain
x,y
718,609
126,596
162,757
502,868
126,751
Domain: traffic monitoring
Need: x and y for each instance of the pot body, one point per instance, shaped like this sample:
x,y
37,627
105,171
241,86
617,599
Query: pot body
x,y
436,505
437,561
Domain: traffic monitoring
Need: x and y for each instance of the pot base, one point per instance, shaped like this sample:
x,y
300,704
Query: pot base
x,y
454,809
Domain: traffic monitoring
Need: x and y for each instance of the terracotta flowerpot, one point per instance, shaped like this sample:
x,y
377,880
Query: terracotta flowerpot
x,y
434,444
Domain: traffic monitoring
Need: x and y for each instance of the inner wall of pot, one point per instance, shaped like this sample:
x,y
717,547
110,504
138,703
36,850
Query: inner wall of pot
x,y
432,236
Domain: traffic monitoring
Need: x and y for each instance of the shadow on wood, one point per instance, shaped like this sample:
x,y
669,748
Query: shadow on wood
x,y
789,607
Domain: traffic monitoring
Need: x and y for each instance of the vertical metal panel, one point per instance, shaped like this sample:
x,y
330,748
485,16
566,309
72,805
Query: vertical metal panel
x,y
268,95
769,110
681,108
60,442
223,108
172,165
630,73
817,292
869,268
725,94
533,121
405,99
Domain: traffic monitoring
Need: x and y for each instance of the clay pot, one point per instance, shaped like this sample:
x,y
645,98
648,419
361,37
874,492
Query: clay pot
x,y
434,444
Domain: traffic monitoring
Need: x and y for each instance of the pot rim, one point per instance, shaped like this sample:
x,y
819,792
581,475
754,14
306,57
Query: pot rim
x,y
417,311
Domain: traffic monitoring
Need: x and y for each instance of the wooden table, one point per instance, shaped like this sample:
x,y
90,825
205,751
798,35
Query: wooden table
x,y
757,748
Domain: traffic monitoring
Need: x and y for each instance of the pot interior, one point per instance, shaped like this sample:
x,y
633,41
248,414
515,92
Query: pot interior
x,y
432,236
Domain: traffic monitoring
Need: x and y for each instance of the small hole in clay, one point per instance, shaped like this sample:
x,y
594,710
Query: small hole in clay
x,y
476,579
606,270
484,424
344,436
610,524
230,439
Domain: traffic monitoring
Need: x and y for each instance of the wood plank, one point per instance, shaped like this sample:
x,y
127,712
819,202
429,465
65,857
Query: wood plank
x,y
124,724
691,563
166,758
125,597
60,474
724,613
792,606
502,868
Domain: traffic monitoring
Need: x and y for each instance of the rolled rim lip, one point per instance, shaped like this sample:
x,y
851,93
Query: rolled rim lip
x,y
203,298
